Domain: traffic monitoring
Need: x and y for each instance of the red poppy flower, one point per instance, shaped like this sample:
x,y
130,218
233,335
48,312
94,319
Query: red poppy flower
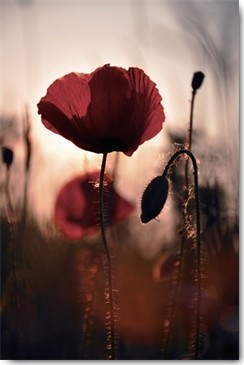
x,y
76,208
110,109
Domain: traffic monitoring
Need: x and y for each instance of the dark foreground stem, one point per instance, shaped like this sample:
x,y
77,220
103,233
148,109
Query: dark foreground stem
x,y
111,346
198,240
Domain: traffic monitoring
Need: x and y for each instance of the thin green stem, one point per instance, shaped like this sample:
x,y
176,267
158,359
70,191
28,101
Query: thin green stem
x,y
109,261
198,240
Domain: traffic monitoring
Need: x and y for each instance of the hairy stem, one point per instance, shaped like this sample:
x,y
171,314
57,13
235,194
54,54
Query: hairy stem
x,y
198,240
173,305
109,261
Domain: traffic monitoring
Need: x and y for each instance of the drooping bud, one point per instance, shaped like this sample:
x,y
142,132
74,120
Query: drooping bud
x,y
154,198
7,155
197,80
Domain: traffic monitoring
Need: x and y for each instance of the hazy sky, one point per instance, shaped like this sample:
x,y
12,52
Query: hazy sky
x,y
169,40
43,40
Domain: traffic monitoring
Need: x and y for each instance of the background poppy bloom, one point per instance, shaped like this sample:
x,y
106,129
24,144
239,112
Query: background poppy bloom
x,y
108,110
76,208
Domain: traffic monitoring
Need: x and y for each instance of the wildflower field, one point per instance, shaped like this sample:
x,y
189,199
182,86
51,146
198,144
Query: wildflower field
x,y
119,180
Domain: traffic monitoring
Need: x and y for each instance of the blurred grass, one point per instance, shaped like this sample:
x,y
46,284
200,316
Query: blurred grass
x,y
57,280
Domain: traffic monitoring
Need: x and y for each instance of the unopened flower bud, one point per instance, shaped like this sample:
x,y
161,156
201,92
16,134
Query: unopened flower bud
x,y
154,198
7,155
197,80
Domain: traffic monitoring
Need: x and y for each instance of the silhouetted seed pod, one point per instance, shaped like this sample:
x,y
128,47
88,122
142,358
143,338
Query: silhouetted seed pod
x,y
197,80
7,155
154,198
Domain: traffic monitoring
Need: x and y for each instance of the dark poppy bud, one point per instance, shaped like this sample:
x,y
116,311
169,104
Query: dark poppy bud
x,y
154,198
197,80
7,155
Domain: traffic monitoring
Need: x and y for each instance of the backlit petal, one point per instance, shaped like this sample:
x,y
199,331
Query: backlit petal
x,y
148,112
55,120
70,94
110,109
111,104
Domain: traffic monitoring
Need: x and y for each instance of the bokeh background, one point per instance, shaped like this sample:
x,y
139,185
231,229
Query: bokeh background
x,y
169,40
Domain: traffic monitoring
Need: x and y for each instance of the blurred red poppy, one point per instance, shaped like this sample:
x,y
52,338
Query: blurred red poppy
x,y
76,208
111,109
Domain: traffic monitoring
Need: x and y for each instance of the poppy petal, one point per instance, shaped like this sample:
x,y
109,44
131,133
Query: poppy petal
x,y
65,104
110,109
56,121
70,94
148,112
76,208
74,216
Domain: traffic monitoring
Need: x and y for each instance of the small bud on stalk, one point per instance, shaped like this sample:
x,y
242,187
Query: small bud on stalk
x,y
7,156
197,80
154,198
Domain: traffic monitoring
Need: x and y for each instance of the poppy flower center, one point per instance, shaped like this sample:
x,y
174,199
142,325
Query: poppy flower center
x,y
114,144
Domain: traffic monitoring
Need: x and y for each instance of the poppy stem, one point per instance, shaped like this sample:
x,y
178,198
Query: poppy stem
x,y
111,345
198,240
189,139
189,142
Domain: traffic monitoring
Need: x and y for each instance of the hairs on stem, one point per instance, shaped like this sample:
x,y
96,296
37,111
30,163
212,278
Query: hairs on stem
x,y
110,325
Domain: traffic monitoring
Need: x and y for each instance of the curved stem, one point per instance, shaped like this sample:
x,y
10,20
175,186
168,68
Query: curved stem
x,y
198,309
108,257
175,156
